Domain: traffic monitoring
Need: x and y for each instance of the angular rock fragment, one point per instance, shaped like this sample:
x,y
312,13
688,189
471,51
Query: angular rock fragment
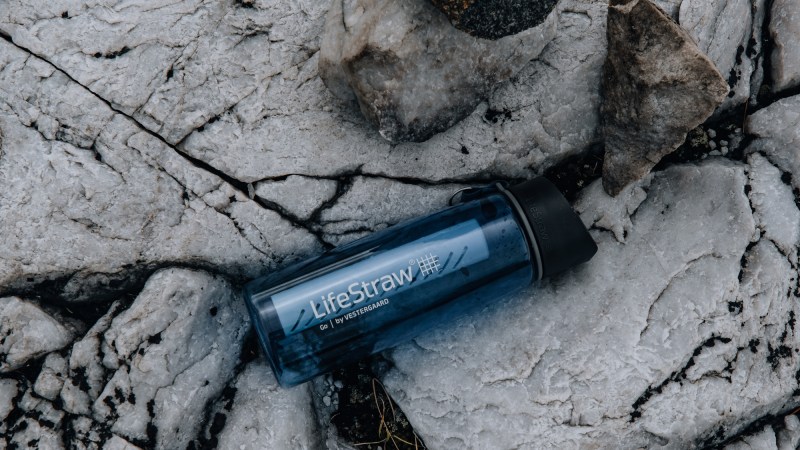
x,y
493,19
26,331
168,355
784,27
411,72
657,86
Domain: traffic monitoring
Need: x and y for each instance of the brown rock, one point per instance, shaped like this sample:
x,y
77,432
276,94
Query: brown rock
x,y
657,86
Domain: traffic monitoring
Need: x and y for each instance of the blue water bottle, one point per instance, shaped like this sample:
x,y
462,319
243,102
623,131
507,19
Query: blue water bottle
x,y
386,288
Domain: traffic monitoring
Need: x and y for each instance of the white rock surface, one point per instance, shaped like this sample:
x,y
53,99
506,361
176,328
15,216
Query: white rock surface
x,y
26,331
166,133
723,30
778,128
8,390
169,354
282,120
92,199
144,375
783,435
784,27
264,412
299,195
600,357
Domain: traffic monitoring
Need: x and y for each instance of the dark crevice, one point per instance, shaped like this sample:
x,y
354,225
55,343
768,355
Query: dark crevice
x,y
676,377
237,184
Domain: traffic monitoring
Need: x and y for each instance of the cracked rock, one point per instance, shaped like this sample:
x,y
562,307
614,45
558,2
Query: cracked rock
x,y
594,358
412,73
784,27
300,195
141,376
262,411
169,354
727,31
389,203
781,435
26,332
491,19
777,129
657,84
96,203
274,116
8,390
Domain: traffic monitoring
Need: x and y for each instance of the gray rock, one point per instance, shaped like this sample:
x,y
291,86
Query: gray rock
x,y
8,390
379,52
777,128
169,354
300,195
593,359
117,443
287,115
783,435
658,85
51,378
727,33
143,376
263,412
26,332
784,28
94,201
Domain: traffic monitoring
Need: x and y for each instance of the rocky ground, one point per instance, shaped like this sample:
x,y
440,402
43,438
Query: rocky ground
x,y
156,154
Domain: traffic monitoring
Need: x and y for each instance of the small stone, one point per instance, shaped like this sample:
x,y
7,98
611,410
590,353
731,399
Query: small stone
x,y
493,19
27,331
784,27
724,150
338,384
711,133
412,73
51,378
723,142
658,85
326,400
712,145
714,153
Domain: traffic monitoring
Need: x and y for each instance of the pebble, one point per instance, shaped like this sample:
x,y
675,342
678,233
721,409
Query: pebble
x,y
711,133
326,400
712,145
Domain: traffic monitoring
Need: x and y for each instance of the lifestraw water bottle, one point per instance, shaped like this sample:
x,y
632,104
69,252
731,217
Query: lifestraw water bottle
x,y
386,288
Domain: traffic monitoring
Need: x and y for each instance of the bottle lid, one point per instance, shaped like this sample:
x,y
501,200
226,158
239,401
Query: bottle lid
x,y
556,229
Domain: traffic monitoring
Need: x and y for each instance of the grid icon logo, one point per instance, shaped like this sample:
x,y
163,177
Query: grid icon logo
x,y
428,264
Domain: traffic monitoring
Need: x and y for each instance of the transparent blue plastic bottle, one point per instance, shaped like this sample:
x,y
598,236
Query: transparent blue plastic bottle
x,y
386,288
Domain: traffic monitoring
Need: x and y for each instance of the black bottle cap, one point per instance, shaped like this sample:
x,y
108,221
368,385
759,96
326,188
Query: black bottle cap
x,y
559,233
